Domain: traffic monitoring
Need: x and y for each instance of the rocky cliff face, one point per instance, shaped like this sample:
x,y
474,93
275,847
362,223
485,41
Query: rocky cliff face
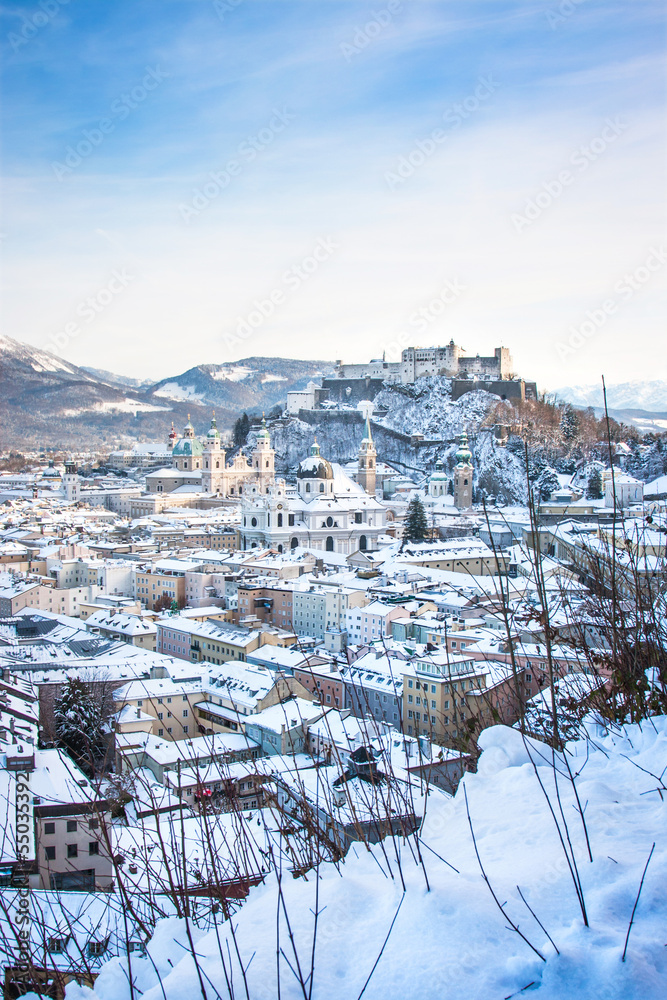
x,y
412,427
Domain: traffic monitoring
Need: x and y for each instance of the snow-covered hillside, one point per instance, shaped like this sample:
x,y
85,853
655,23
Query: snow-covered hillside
x,y
401,927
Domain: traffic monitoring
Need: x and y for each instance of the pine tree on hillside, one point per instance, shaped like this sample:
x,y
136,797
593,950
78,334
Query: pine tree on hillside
x,y
450,488
416,525
594,488
78,719
569,423
241,429
546,483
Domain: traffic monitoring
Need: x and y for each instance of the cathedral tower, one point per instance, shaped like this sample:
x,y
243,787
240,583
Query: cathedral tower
x,y
213,471
263,459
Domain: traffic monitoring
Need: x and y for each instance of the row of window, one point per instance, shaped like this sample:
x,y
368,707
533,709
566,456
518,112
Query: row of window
x,y
72,826
72,850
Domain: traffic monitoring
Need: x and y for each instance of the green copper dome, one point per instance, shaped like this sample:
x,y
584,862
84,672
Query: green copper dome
x,y
187,447
263,434
464,455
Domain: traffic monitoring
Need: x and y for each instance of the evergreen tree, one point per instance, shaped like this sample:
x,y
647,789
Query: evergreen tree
x,y
416,525
78,719
569,423
241,428
594,488
450,488
546,483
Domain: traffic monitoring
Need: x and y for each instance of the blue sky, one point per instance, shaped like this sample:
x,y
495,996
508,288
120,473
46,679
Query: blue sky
x,y
179,163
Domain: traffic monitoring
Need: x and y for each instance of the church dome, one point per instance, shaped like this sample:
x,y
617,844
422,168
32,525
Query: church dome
x,y
439,472
315,466
263,434
188,446
213,431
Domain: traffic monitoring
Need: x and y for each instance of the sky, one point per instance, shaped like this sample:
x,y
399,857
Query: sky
x,y
199,181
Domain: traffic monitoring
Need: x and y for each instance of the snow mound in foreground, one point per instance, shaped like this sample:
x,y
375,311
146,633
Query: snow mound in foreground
x,y
449,938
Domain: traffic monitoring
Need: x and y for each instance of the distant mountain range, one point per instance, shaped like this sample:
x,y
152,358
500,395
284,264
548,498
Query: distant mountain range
x,y
637,395
46,401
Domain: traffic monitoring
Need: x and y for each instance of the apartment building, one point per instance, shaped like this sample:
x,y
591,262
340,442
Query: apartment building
x,y
365,624
435,685
72,826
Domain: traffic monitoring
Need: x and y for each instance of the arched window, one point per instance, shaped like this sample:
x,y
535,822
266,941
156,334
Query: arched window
x,y
329,544
267,465
280,548
217,465
253,522
321,487
465,482
307,487
294,543
362,543
280,524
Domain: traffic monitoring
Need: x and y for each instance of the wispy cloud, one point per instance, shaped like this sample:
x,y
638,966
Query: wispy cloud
x,y
325,174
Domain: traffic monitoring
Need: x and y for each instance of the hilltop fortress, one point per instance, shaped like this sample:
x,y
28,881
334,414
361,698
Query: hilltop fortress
x,y
417,362
355,382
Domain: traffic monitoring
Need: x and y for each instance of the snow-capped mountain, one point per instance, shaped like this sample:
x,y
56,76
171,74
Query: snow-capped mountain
x,y
636,395
252,383
45,400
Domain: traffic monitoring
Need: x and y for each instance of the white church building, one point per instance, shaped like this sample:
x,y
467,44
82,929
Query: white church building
x,y
326,510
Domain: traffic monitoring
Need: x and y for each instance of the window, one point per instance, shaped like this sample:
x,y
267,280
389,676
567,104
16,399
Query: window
x,y
160,732
50,853
185,729
169,701
93,824
93,847
72,851
97,947
71,826
185,713
49,828
409,684
160,715
432,688
57,945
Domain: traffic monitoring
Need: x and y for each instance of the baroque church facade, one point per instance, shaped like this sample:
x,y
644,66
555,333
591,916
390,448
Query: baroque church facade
x,y
202,463
326,510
